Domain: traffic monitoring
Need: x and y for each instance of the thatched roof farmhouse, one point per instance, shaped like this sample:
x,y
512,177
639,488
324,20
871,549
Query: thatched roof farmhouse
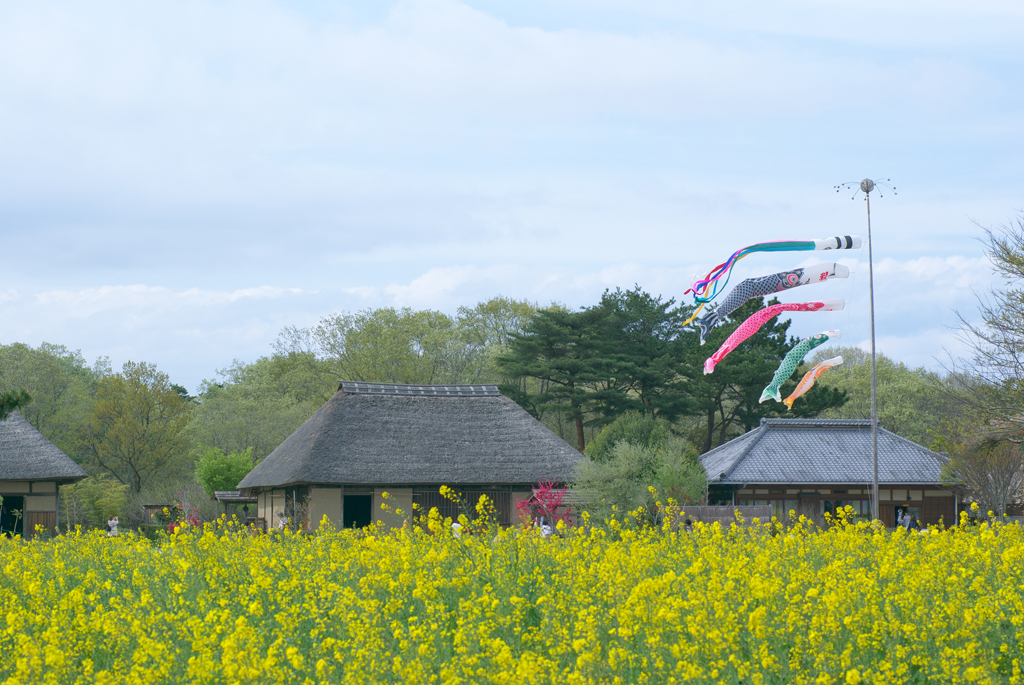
x,y
406,440
32,469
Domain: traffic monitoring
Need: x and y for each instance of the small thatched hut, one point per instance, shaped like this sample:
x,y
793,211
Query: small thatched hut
x,y
32,469
406,440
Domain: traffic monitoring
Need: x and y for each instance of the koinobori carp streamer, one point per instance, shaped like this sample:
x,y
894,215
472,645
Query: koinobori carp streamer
x,y
707,288
807,382
791,361
767,285
757,319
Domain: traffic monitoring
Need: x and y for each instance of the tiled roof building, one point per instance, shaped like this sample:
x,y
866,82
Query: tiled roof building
x,y
815,466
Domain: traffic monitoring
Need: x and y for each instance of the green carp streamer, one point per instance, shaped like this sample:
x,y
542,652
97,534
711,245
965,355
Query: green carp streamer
x,y
791,361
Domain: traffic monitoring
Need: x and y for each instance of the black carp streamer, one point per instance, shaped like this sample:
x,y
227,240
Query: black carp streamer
x,y
767,285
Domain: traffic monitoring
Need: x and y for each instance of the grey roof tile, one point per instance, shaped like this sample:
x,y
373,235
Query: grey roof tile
x,y
820,451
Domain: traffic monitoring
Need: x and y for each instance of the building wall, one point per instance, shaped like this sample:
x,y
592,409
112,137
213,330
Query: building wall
x,y
271,507
398,499
39,506
931,504
517,497
324,502
330,501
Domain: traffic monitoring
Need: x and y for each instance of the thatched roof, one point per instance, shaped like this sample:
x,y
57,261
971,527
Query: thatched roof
x,y
820,451
26,455
383,434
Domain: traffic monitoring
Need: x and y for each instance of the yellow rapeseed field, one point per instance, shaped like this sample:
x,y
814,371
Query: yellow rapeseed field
x,y
602,604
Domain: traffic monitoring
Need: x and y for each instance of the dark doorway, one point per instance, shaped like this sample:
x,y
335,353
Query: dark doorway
x,y
8,518
913,511
357,510
810,507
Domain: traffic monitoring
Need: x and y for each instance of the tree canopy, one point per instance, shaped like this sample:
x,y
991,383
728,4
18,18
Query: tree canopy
x,y
136,430
218,471
631,352
910,401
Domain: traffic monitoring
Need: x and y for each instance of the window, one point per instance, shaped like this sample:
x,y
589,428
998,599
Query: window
x,y
502,500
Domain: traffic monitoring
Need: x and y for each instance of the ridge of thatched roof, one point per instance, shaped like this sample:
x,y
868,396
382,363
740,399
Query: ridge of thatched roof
x,y
26,455
369,434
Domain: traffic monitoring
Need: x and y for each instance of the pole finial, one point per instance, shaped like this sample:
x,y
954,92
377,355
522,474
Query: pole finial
x,y
867,186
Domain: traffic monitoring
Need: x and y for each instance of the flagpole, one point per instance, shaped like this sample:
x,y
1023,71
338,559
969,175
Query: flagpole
x,y
867,185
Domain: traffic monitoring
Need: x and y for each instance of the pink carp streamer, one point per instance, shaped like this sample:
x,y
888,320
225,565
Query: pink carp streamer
x,y
756,320
807,382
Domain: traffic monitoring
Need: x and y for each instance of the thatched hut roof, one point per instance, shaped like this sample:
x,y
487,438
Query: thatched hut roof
x,y
820,451
384,434
26,455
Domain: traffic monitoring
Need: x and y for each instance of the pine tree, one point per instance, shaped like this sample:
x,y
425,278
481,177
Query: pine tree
x,y
11,400
559,349
641,358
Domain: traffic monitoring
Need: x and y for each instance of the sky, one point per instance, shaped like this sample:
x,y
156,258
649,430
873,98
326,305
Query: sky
x,y
181,180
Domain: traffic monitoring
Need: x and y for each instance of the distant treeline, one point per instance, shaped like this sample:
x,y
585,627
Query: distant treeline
x,y
140,434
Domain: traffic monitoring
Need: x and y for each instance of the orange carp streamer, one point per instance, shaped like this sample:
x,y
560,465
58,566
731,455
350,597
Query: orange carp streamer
x,y
807,382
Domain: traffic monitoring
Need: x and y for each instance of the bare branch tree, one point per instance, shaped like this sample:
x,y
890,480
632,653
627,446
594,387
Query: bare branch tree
x,y
990,385
991,471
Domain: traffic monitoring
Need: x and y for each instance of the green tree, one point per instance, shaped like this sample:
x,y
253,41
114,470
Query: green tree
x,y
136,429
257,405
387,346
634,428
640,354
489,328
989,470
11,401
90,502
622,482
559,349
218,471
990,384
910,402
62,387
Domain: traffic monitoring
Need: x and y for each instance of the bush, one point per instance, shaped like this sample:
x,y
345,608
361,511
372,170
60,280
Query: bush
x,y
151,531
92,501
623,480
633,427
218,471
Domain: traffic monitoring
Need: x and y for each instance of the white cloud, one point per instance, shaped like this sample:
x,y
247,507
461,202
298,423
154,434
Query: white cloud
x,y
188,333
150,299
257,166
